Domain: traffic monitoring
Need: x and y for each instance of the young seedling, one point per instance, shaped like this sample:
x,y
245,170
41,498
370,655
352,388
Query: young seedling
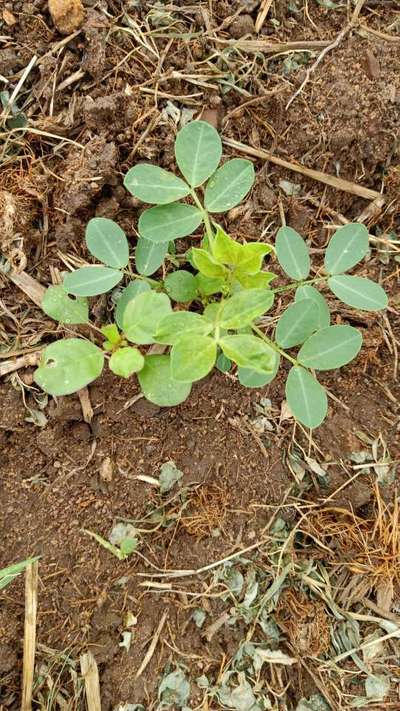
x,y
222,293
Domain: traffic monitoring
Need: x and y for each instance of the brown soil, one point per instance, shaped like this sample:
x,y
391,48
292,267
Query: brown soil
x,y
88,129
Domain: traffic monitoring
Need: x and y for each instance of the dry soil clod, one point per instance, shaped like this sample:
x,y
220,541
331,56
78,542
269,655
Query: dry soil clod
x,y
67,15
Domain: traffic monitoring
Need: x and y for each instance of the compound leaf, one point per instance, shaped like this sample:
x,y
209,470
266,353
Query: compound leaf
x,y
292,253
359,292
91,281
198,150
346,248
143,314
138,286
149,256
330,347
107,242
192,357
126,361
165,223
155,185
158,385
245,306
68,365
309,292
181,286
57,304
229,185
297,323
306,397
249,352
179,323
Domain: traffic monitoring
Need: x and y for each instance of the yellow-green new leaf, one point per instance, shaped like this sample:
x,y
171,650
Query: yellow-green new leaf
x,y
192,357
249,352
225,250
205,263
142,316
252,255
172,327
126,361
158,385
244,307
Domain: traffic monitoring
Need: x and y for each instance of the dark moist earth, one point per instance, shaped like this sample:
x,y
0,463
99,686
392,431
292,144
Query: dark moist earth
x,y
68,475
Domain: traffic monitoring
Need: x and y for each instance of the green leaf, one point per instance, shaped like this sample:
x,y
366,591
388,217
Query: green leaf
x,y
192,357
143,314
157,384
223,363
249,352
8,574
107,242
206,264
126,361
225,249
330,347
149,256
168,222
306,397
252,255
57,304
346,248
359,292
209,285
323,313
138,286
181,286
245,306
198,150
68,365
154,185
253,379
297,323
229,185
172,327
91,281
254,281
292,253
111,333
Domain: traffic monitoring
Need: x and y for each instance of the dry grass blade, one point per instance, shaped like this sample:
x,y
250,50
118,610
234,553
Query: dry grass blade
x,y
338,183
25,361
90,674
29,286
31,585
152,647
263,12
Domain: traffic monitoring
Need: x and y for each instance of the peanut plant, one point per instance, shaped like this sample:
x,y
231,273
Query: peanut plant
x,y
207,314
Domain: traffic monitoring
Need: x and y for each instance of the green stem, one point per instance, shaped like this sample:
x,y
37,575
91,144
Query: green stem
x,y
273,345
296,284
204,212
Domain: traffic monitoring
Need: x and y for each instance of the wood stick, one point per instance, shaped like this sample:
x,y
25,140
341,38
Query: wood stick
x,y
90,674
31,585
264,10
338,183
29,286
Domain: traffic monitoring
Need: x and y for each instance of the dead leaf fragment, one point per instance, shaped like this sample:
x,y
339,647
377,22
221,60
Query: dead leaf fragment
x,y
67,15
106,469
9,18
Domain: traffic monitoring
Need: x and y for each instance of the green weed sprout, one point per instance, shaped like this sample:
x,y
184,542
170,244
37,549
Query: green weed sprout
x,y
207,314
